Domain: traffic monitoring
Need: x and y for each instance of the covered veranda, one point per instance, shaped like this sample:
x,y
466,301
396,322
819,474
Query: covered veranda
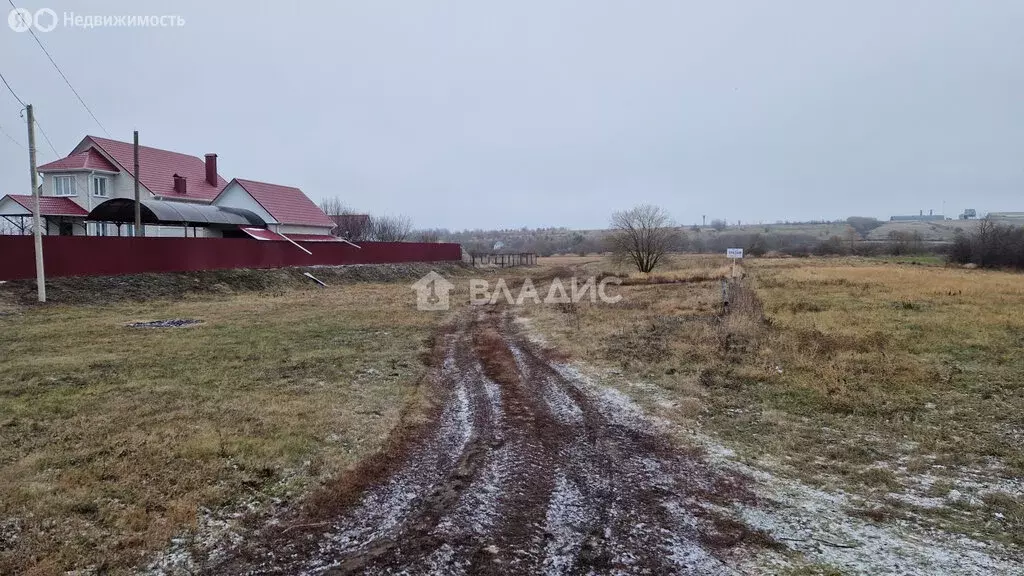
x,y
213,221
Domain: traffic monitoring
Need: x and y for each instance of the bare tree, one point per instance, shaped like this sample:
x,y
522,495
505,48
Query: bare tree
x,y
9,228
391,228
643,235
333,206
852,235
432,236
348,223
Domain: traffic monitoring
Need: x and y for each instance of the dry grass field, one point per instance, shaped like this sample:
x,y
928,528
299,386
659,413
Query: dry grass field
x,y
898,382
902,383
112,438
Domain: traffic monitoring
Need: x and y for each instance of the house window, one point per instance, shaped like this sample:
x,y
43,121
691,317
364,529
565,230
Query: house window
x,y
98,229
64,186
99,186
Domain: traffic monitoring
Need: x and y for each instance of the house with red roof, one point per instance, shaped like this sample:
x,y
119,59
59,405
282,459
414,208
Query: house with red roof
x,y
61,214
92,191
285,209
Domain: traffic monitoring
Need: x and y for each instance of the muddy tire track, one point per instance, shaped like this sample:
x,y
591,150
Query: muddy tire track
x,y
525,468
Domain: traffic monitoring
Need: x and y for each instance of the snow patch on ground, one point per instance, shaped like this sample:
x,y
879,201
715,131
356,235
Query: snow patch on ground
x,y
521,364
384,507
215,532
493,398
442,561
817,523
612,404
566,511
477,510
561,404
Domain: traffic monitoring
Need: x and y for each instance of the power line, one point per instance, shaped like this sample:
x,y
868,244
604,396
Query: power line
x,y
38,125
20,101
11,138
47,138
59,71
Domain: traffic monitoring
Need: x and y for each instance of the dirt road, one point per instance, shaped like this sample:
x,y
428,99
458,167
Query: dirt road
x,y
524,469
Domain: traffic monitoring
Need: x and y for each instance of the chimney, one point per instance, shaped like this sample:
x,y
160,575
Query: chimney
x,y
211,169
179,184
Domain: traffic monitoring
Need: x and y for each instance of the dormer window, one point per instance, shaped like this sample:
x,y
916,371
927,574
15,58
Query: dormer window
x,y
99,186
64,186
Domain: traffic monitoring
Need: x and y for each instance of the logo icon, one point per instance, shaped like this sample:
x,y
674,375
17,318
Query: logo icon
x,y
19,19
46,20
22,20
432,292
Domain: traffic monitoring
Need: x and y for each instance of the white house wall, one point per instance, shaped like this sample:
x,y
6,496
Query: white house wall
x,y
118,186
124,187
8,206
234,196
153,231
293,229
82,192
17,213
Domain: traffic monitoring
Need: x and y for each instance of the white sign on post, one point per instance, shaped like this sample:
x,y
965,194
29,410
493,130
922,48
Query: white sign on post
x,y
734,252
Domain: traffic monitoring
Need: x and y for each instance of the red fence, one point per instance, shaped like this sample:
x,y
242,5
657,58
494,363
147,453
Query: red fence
x,y
111,256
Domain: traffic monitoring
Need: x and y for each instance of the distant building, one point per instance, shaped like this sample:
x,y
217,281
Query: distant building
x,y
1006,215
922,217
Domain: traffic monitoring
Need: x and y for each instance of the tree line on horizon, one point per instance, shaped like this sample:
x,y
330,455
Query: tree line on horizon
x,y
646,234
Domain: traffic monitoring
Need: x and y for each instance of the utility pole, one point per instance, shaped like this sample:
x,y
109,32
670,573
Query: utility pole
x,y
138,205
36,220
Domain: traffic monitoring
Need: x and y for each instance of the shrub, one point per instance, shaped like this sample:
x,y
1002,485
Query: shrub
x,y
832,246
904,243
863,224
991,245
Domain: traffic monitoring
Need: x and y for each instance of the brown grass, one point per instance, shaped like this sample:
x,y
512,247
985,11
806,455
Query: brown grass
x,y
111,438
847,370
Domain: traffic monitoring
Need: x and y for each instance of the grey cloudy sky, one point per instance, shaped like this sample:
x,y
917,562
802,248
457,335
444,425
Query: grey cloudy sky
x,y
555,113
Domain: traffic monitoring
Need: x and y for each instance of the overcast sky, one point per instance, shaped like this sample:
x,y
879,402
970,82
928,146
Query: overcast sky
x,y
495,114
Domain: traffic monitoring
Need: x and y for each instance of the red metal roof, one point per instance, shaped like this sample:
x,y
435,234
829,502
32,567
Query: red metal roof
x,y
286,204
87,160
158,168
49,205
262,234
